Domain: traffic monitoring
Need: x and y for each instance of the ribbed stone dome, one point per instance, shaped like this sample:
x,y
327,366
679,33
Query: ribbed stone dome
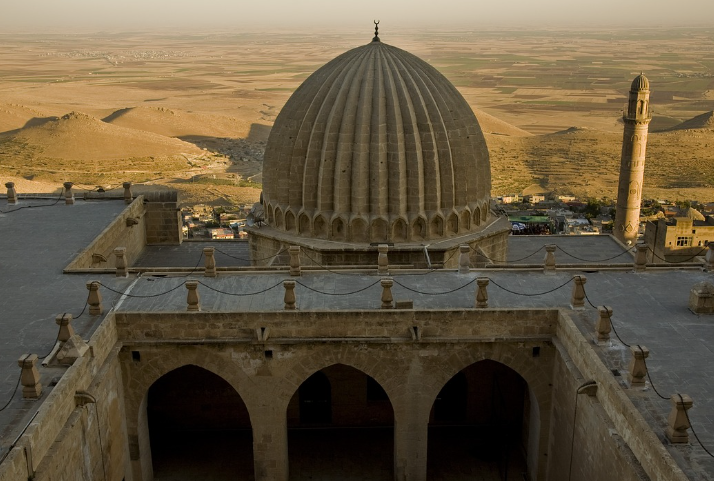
x,y
376,146
640,83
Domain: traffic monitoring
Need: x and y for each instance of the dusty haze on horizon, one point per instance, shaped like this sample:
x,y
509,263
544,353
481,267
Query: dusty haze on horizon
x,y
93,15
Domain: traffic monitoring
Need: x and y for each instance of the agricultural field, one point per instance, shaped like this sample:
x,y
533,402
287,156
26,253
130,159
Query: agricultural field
x,y
165,108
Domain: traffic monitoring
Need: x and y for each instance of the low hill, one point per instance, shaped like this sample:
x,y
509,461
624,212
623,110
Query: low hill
x,y
14,117
492,125
81,137
703,121
177,123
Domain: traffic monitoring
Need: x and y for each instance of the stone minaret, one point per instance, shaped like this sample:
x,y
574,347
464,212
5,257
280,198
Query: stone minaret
x,y
632,165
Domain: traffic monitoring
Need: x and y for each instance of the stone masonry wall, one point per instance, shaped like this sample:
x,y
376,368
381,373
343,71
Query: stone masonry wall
x,y
116,234
163,219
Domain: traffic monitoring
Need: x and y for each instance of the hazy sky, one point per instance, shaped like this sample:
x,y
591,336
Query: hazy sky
x,y
60,15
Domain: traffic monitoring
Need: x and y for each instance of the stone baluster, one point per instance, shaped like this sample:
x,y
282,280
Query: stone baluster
x,y
11,193
294,260
637,371
464,261
30,377
210,262
66,330
120,262
289,298
387,299
678,421
192,297
709,258
382,260
68,194
603,327
128,197
549,260
641,258
95,298
481,293
577,298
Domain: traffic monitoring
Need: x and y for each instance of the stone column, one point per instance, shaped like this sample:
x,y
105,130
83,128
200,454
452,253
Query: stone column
x,y
604,323
387,299
294,260
481,293
68,194
678,421
549,260
637,371
464,260
411,430
11,193
701,298
128,197
30,377
641,258
95,298
192,297
709,258
208,253
66,330
270,443
382,260
120,261
577,298
289,297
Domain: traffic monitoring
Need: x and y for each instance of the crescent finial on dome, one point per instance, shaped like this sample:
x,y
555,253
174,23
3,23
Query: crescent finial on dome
x,y
376,31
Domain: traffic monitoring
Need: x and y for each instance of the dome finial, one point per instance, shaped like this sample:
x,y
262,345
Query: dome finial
x,y
376,31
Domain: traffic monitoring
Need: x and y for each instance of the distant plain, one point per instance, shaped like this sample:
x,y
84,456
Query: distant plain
x,y
193,111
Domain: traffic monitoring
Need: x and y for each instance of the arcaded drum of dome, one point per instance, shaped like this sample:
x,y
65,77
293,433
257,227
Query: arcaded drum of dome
x,y
376,146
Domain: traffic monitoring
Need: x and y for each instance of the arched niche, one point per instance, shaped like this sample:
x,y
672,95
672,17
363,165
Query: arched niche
x,y
338,417
465,223
358,230
482,421
278,218
436,226
418,228
378,231
452,224
320,227
399,231
289,221
338,229
477,216
304,224
198,426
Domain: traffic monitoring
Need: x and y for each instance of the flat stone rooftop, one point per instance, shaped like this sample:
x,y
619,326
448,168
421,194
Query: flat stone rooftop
x,y
649,308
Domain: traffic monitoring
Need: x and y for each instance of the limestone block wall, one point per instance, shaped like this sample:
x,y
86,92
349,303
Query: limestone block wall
x,y
63,441
596,449
163,219
116,234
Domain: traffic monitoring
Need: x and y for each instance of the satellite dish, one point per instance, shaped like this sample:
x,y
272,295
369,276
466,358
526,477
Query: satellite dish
x,y
250,220
256,216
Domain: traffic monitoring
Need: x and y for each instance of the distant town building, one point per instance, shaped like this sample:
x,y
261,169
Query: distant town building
x,y
679,238
221,233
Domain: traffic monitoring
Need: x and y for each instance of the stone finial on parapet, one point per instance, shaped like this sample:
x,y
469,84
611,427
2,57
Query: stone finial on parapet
x,y
11,193
603,327
464,261
30,377
294,260
95,298
382,260
387,299
120,261
68,194
577,298
678,420
66,330
709,258
289,297
637,371
210,263
641,258
481,293
701,298
128,197
549,260
192,297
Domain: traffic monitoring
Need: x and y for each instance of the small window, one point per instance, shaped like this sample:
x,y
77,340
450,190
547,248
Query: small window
x,y
684,241
694,231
